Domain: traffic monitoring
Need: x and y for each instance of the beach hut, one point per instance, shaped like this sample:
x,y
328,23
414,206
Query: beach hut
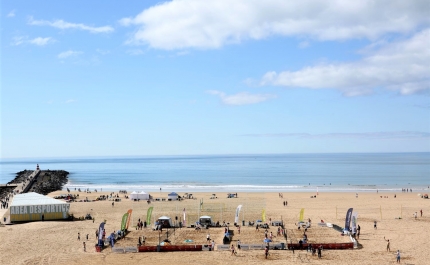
x,y
165,222
172,196
205,220
37,207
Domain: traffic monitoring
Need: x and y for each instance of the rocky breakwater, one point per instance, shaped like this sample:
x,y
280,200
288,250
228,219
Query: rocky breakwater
x,y
48,181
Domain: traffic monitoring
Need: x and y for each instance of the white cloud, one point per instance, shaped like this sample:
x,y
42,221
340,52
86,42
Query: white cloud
x,y
243,98
11,14
398,135
61,24
39,41
180,24
135,52
102,52
70,101
68,53
402,66
304,44
18,40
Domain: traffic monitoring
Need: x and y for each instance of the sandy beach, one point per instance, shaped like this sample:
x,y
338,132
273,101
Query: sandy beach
x,y
55,242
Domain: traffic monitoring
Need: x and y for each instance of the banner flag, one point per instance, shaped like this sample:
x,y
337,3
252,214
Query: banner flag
x,y
236,217
148,216
185,222
263,215
354,222
302,213
101,228
348,219
124,221
129,218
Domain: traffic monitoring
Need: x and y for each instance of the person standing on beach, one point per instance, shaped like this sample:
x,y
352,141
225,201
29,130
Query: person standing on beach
x,y
208,237
213,245
266,251
398,256
388,244
374,225
79,236
421,212
358,231
85,247
87,237
233,252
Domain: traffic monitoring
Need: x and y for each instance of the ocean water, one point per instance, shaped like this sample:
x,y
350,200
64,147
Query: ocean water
x,y
236,173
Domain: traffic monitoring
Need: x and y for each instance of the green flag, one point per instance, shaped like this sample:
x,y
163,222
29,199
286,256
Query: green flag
x,y
148,216
124,221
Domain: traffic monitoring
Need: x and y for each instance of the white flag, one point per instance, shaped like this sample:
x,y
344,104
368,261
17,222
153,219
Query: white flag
x,y
236,217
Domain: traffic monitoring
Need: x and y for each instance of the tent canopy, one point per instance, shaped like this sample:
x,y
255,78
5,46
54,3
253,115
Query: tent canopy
x,y
172,196
139,196
165,221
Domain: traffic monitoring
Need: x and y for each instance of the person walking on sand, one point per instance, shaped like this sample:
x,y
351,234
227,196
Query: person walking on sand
x,y
398,256
79,236
388,244
233,252
85,247
266,251
421,212
87,237
208,237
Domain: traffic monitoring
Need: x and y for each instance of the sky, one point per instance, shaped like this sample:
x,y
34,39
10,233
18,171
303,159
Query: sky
x,y
109,78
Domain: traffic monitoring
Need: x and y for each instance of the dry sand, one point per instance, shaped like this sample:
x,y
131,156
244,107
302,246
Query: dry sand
x,y
52,242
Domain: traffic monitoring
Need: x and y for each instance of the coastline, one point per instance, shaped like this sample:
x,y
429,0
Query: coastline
x,y
250,188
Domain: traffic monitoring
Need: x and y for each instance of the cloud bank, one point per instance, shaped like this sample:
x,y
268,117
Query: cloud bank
x,y
401,66
182,24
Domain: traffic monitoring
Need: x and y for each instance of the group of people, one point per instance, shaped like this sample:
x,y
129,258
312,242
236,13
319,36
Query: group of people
x,y
140,225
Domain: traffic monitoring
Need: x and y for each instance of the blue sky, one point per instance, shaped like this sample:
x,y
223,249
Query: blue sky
x,y
104,78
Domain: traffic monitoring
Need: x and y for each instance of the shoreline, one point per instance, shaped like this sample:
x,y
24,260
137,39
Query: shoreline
x,y
251,188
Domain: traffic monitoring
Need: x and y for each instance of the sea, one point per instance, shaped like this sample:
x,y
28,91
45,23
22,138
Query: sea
x,y
342,172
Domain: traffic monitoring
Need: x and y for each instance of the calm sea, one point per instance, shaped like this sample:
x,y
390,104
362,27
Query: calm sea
x,y
235,173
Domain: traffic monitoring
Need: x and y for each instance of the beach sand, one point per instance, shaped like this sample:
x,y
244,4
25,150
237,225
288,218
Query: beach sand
x,y
55,242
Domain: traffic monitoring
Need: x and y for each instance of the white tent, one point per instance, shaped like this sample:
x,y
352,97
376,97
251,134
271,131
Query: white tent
x,y
205,220
34,207
172,196
143,195
165,221
139,196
